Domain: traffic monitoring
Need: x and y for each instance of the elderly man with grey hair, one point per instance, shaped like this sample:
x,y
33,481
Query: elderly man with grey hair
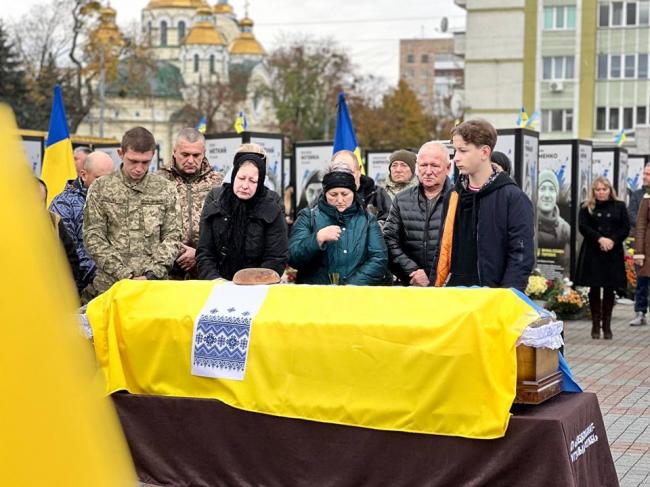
x,y
194,177
413,226
69,205
80,153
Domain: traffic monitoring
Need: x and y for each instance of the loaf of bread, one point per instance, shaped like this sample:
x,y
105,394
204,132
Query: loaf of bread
x,y
259,275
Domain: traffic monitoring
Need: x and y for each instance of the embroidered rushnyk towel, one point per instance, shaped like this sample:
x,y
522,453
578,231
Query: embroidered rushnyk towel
x,y
426,360
222,331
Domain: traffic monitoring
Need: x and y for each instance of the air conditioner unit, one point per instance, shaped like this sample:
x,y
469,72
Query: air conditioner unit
x,y
556,86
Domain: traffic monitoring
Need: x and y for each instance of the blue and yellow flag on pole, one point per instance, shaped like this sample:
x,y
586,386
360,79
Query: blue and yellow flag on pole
x,y
202,125
56,428
344,136
620,138
240,123
58,162
522,118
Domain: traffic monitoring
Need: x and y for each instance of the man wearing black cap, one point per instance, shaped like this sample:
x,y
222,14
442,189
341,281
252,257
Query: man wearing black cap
x,y
401,172
413,226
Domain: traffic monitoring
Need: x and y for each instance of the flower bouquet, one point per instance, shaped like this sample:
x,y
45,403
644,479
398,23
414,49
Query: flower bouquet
x,y
566,302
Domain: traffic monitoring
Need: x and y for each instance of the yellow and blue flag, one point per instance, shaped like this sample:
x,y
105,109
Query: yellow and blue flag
x,y
533,121
522,118
344,136
58,162
57,428
240,123
202,125
620,138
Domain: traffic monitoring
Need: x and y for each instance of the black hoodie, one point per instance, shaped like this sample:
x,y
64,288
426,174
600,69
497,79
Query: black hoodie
x,y
493,235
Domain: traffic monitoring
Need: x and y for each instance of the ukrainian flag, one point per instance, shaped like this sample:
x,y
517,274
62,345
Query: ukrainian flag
x,y
620,138
202,126
56,426
522,118
344,137
58,162
240,123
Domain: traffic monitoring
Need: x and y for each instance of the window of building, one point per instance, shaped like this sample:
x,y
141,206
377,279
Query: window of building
x,y
613,118
410,58
641,115
424,59
181,31
617,13
630,65
560,17
548,18
149,33
547,67
644,10
615,66
557,120
601,118
558,67
642,68
163,33
212,64
602,66
630,13
628,118
603,18
196,63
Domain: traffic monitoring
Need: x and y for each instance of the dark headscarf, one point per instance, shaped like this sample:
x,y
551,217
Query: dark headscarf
x,y
240,211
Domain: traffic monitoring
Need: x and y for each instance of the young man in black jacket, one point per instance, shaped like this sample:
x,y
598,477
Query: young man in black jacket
x,y
487,221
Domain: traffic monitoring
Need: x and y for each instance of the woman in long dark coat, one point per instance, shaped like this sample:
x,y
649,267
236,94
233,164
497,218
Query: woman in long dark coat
x,y
242,224
604,223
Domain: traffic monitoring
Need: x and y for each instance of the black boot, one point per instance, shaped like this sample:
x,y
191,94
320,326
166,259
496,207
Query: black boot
x,y
608,306
594,306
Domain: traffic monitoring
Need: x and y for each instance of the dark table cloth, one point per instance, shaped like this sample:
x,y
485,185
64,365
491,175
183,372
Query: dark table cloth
x,y
202,442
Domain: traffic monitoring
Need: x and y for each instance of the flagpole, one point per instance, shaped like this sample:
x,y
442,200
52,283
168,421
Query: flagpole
x,y
102,91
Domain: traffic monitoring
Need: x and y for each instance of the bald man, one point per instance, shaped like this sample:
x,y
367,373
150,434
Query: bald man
x,y
69,205
413,226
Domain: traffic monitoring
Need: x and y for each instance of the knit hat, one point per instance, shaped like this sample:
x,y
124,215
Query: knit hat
x,y
549,176
404,155
339,179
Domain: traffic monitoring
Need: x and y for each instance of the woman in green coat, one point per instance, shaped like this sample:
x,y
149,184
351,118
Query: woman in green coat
x,y
338,242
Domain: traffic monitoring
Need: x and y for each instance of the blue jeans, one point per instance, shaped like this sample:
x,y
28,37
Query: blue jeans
x,y
641,293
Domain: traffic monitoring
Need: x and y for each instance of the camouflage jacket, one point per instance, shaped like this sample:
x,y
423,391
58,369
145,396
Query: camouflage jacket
x,y
131,228
192,190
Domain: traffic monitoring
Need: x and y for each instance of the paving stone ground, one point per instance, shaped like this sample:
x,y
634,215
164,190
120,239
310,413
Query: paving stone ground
x,y
618,371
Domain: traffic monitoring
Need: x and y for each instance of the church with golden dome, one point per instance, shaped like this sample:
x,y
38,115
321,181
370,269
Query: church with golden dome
x,y
193,50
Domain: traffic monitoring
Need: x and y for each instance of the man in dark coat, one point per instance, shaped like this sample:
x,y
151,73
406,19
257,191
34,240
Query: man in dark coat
x,y
69,205
413,224
641,293
488,222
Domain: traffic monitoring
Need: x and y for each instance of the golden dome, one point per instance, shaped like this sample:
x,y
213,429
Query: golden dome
x,y
107,31
194,4
222,8
204,31
246,42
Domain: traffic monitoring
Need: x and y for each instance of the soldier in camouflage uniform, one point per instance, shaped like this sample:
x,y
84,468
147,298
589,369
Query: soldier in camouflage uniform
x,y
193,177
131,223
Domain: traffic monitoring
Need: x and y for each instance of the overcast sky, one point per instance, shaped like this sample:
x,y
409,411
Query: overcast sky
x,y
368,30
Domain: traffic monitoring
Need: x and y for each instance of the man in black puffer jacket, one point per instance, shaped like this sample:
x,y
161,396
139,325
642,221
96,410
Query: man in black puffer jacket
x,y
413,225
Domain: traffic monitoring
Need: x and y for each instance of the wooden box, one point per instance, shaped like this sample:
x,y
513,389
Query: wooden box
x,y
538,378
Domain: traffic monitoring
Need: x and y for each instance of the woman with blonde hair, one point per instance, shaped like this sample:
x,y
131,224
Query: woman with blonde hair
x,y
604,224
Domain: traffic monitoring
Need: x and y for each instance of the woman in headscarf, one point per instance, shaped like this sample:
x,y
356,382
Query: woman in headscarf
x,y
338,241
242,224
